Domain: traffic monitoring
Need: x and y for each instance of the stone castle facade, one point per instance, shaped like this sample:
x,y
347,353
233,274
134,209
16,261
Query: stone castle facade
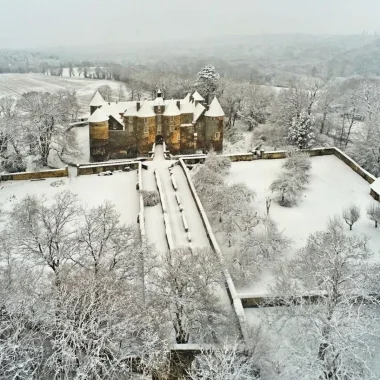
x,y
129,129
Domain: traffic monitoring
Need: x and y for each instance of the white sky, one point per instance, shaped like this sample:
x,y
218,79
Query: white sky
x,y
52,23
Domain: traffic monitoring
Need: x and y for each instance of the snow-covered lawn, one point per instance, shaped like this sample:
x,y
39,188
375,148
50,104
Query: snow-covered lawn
x,y
120,189
333,186
17,84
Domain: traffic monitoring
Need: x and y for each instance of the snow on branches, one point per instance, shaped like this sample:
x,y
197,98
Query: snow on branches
x,y
290,184
301,131
207,82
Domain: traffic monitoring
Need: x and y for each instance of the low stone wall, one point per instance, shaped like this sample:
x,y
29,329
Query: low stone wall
x,y
168,231
56,173
142,210
95,169
354,165
230,287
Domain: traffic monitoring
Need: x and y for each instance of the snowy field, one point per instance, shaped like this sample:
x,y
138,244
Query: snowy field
x,y
17,84
92,190
333,186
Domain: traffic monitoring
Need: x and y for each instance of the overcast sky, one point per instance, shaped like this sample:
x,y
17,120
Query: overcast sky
x,y
45,23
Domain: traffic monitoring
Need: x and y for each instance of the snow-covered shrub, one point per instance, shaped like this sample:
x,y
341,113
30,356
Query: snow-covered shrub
x,y
297,161
218,164
14,164
301,132
150,197
288,188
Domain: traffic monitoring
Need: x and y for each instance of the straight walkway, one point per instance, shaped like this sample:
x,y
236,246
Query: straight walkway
x,y
154,222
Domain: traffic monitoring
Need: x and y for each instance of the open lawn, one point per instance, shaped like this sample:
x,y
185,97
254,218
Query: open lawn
x,y
333,186
92,190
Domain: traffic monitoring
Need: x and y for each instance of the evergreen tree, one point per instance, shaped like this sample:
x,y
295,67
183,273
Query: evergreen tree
x,y
207,81
301,132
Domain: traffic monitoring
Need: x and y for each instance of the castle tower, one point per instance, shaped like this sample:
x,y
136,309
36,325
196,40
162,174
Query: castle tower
x,y
172,126
145,127
214,126
96,102
99,137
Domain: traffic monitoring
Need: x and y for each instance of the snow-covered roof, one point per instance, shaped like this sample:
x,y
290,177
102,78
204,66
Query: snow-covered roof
x,y
215,109
187,107
98,116
97,100
172,109
376,186
131,110
159,101
186,99
197,96
146,110
198,112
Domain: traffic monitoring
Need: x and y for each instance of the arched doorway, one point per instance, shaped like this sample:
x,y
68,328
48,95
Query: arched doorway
x,y
159,139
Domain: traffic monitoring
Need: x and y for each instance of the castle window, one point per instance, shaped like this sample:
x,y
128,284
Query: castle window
x,y
159,129
217,136
146,129
172,128
179,137
145,119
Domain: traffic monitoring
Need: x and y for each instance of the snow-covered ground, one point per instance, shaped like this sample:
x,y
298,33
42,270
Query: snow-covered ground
x,y
333,186
17,84
120,189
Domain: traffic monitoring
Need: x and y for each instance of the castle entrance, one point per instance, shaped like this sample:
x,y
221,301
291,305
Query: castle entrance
x,y
159,139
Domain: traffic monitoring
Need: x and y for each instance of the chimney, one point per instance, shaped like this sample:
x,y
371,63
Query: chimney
x,y
137,106
179,104
159,93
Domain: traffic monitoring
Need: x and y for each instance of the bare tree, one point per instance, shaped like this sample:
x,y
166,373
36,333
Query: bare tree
x,y
331,321
259,247
225,363
288,187
47,120
351,215
42,232
185,288
373,212
106,92
268,202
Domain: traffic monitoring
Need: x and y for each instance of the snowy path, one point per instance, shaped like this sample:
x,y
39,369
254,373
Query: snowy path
x,y
153,215
194,220
154,221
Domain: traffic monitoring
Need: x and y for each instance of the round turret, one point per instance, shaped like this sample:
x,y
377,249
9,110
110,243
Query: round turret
x,y
99,137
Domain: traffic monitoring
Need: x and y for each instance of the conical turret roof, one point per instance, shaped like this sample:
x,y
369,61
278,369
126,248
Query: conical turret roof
x,y
172,109
197,97
98,116
97,100
215,109
146,110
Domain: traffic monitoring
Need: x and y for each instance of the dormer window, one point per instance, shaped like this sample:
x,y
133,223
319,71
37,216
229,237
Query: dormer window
x,y
217,136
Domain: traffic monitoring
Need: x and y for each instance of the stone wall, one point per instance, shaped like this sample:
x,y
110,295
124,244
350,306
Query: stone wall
x,y
187,138
95,169
56,173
